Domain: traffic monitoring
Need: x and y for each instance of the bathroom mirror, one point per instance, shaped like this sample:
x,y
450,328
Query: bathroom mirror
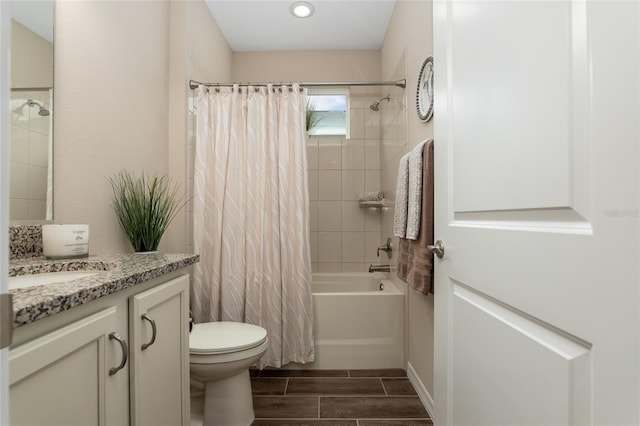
x,y
31,110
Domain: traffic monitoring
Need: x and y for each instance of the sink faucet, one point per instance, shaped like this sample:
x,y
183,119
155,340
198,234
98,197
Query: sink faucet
x,y
379,268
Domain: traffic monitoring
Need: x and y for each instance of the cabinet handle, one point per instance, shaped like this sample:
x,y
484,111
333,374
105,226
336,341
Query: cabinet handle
x,y
153,331
123,345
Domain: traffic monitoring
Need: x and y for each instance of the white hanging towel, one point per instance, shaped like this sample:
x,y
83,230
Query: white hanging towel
x,y
402,186
414,193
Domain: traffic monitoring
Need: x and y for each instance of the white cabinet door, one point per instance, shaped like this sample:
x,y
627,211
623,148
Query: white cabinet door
x,y
62,378
160,355
537,202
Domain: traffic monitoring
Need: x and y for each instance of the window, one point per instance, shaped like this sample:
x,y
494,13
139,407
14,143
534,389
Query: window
x,y
329,109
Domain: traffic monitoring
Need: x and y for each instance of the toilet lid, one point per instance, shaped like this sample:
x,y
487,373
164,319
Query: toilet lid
x,y
224,337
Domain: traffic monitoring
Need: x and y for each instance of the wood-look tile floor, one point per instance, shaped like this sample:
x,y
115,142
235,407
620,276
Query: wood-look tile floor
x,y
335,398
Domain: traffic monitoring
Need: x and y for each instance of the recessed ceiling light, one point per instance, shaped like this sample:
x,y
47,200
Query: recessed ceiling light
x,y
301,9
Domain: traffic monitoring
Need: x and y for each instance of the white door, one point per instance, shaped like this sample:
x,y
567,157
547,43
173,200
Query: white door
x,y
537,185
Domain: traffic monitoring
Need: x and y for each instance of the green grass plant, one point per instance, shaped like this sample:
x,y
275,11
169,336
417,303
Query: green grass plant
x,y
145,206
312,117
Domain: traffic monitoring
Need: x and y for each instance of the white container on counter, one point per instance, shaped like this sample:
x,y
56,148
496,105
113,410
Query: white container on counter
x,y
63,241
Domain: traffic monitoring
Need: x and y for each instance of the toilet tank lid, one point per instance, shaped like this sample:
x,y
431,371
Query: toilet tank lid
x,y
225,336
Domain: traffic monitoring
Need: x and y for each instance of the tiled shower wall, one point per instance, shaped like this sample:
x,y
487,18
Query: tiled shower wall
x,y
344,236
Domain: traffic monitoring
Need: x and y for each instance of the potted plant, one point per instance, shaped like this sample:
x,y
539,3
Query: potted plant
x,y
145,206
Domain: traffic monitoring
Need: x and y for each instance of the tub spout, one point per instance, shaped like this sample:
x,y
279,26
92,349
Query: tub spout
x,y
379,268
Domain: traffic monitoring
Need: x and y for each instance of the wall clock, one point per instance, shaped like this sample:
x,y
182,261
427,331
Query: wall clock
x,y
424,95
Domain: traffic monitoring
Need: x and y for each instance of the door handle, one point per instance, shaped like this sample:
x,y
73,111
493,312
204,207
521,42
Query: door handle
x,y
153,331
437,248
123,345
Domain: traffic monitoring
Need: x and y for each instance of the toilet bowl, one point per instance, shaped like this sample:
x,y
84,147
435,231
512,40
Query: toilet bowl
x,y
220,354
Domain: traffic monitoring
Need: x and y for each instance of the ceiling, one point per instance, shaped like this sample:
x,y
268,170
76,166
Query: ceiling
x,y
37,15
268,25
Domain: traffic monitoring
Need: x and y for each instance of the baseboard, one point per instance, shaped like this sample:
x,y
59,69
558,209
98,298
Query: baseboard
x,y
421,389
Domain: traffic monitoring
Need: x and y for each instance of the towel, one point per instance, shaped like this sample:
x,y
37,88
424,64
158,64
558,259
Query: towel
x,y
402,186
414,194
415,263
371,196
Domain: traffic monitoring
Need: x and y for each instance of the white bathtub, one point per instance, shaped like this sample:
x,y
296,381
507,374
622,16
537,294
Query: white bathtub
x,y
356,324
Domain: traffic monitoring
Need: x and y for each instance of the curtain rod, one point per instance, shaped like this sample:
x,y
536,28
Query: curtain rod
x,y
29,89
399,83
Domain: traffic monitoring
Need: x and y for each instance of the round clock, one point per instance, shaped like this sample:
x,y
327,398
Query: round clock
x,y
424,95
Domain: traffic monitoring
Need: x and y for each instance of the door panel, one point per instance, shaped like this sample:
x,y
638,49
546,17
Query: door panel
x,y
506,103
537,201
506,360
62,377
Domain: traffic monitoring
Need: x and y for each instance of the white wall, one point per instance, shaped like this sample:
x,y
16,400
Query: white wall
x,y
121,103
408,42
198,51
111,83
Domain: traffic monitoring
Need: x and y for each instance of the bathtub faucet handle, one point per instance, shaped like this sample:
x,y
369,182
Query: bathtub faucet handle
x,y
386,248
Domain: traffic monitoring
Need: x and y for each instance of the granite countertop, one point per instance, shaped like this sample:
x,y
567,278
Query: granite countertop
x,y
117,272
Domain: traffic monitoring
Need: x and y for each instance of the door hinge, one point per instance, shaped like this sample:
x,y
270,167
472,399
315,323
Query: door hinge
x,y
6,319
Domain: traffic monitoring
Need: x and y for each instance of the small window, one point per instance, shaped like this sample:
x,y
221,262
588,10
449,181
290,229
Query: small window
x,y
327,112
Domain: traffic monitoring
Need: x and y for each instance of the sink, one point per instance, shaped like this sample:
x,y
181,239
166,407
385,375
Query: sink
x,y
24,281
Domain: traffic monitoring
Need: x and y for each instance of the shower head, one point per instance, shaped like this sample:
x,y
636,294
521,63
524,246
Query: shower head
x,y
376,105
43,112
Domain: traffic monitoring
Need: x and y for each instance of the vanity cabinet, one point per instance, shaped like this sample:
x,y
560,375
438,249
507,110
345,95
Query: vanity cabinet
x,y
159,365
62,378
102,363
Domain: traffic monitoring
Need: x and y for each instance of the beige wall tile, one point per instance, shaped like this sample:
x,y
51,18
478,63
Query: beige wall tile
x,y
352,184
313,185
37,183
38,149
329,267
19,179
329,216
352,154
19,145
356,118
329,154
371,180
372,219
329,185
372,241
353,247
352,216
313,241
372,154
313,215
329,247
354,267
18,208
37,209
312,154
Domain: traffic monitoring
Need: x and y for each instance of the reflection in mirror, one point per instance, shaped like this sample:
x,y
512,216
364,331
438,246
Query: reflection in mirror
x,y
31,164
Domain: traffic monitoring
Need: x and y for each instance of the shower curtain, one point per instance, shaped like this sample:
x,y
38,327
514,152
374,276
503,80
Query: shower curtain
x,y
251,215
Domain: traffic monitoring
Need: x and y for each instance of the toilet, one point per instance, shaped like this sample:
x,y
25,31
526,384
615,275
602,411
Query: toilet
x,y
220,354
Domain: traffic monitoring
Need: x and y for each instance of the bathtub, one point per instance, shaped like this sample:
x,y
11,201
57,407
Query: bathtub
x,y
358,321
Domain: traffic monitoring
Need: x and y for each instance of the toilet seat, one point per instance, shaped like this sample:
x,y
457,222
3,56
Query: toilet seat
x,y
211,338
